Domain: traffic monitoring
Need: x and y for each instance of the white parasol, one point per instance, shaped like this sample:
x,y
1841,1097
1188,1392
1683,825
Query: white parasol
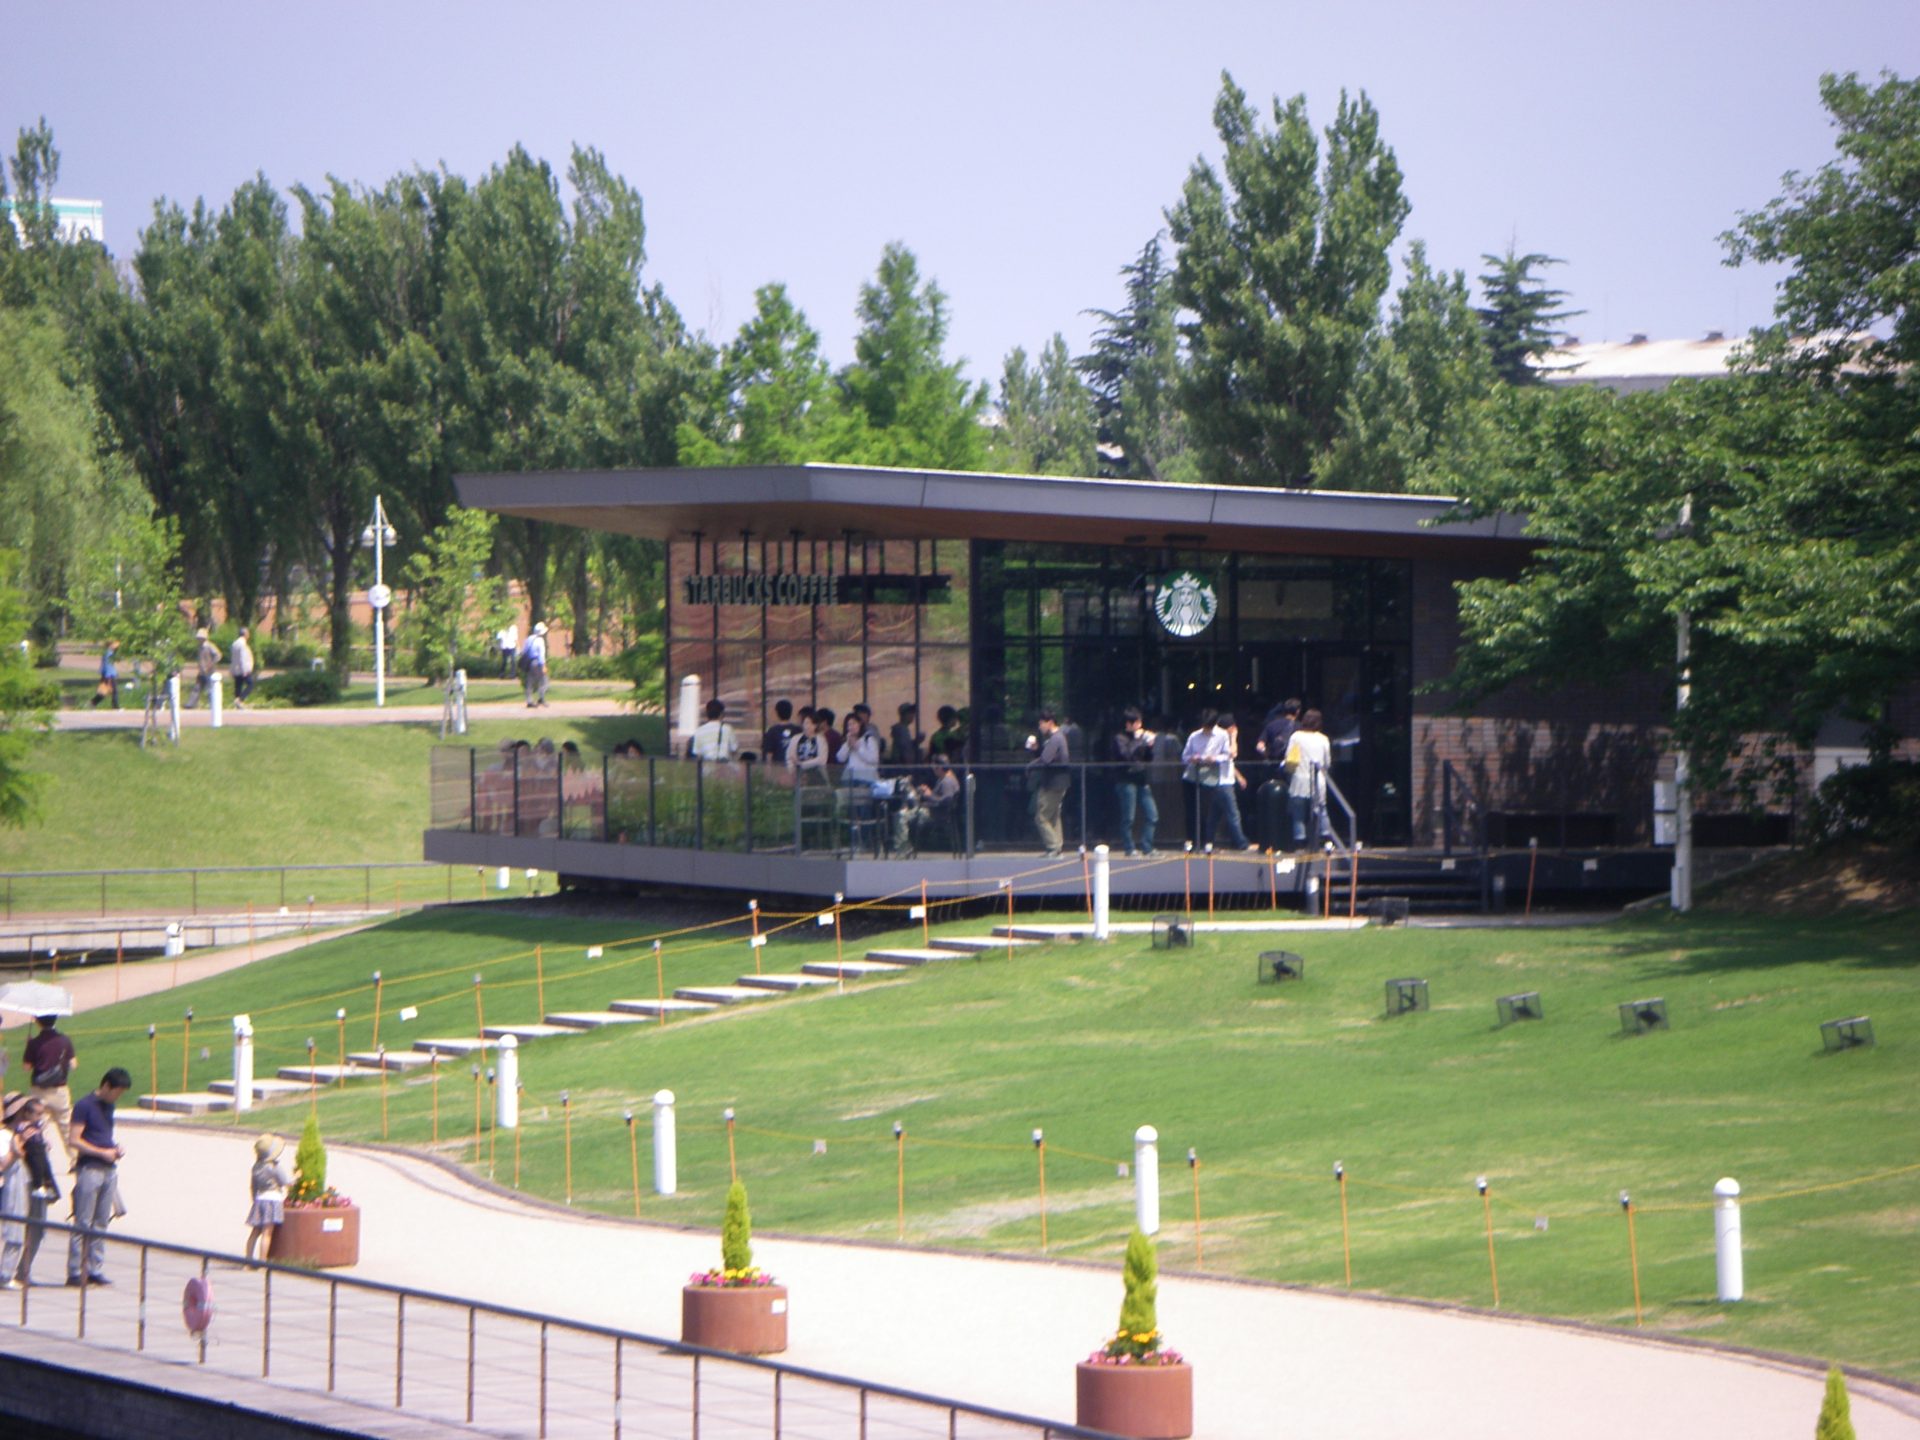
x,y
35,997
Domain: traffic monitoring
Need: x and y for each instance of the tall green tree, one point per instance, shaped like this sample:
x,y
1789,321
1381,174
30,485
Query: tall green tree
x,y
454,605
130,593
1284,258
1414,415
1046,416
1522,316
906,403
24,721
360,376
774,399
1133,369
1850,236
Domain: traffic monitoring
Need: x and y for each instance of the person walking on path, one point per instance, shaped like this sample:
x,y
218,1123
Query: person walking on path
x,y
49,1058
240,662
269,1188
1133,748
96,1192
109,686
507,637
207,665
1049,776
535,653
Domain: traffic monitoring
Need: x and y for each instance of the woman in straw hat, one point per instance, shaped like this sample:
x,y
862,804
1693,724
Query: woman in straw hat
x,y
270,1184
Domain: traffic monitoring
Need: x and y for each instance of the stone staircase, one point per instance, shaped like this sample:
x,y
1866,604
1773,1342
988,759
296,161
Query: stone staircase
x,y
297,1080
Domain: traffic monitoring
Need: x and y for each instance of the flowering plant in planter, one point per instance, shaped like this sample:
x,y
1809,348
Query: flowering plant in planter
x,y
736,1270
310,1186
1138,1340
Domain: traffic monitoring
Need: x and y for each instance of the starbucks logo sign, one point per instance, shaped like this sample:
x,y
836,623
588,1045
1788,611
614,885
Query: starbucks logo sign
x,y
1185,604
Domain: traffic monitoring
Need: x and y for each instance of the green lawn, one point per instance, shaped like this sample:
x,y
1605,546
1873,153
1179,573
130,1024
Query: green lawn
x,y
249,796
1269,1084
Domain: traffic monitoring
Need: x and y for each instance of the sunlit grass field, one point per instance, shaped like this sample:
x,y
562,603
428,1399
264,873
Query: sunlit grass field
x,y
1269,1085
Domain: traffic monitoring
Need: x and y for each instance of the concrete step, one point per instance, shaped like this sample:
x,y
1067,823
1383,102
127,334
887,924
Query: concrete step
x,y
594,1019
392,1060
263,1088
975,944
853,969
187,1102
456,1045
532,1030
320,1075
654,1009
719,994
785,984
909,956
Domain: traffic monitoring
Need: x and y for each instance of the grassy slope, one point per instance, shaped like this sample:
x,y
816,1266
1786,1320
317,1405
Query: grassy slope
x,y
251,796
1270,1084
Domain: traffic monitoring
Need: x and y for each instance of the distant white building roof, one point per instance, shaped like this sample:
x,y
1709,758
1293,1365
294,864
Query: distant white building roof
x,y
1641,363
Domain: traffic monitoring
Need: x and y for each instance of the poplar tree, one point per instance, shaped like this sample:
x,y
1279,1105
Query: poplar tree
x,y
1283,262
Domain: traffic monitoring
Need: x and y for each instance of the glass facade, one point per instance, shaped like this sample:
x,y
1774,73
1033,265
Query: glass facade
x,y
1075,626
1005,627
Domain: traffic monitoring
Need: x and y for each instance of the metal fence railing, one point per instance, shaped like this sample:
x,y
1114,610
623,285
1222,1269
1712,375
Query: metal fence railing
x,y
745,807
192,890
466,1361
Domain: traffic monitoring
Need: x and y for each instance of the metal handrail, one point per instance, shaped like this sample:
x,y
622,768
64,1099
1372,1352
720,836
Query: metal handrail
x,y
8,879
274,1305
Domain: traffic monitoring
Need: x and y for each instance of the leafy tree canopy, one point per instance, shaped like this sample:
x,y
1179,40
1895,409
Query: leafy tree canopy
x,y
1283,263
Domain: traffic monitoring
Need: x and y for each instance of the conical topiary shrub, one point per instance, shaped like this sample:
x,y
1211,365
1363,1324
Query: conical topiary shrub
x,y
1836,1412
736,1232
309,1166
1137,1342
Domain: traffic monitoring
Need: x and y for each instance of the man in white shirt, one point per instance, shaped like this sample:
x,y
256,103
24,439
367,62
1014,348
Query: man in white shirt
x,y
1219,781
714,742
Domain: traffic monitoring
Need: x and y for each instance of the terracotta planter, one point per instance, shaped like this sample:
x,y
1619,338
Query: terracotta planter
x,y
322,1237
1146,1402
746,1319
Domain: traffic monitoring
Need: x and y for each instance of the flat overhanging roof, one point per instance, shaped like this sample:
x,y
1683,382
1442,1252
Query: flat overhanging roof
x,y
830,502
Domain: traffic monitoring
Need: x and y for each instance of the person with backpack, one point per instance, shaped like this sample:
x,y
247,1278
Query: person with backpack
x,y
49,1058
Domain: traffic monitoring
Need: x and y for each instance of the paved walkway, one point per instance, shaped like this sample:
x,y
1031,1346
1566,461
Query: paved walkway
x,y
1007,1333
131,717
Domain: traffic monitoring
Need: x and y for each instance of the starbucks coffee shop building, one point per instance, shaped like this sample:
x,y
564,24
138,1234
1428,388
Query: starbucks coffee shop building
x,y
1000,594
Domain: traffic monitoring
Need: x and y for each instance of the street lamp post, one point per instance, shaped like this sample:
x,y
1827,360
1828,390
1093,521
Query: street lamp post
x,y
378,536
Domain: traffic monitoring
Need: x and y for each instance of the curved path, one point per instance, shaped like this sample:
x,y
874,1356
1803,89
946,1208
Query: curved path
x,y
1007,1333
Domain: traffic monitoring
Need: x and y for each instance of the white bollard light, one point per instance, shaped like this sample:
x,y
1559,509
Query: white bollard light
x,y
665,1155
1102,891
506,1103
1146,1180
213,696
242,1062
1730,1268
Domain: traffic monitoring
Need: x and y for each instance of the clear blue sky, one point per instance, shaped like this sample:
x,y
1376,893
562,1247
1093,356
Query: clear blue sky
x,y
1024,151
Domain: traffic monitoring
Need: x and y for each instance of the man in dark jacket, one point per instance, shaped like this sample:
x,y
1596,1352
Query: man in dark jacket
x,y
1133,748
1047,772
